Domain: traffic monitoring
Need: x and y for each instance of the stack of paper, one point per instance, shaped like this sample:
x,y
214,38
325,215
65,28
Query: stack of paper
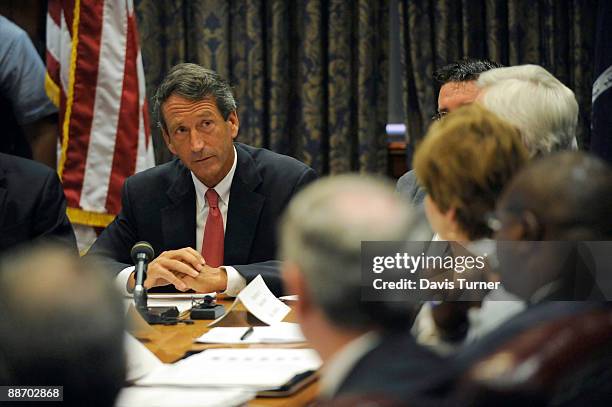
x,y
283,332
256,369
140,360
184,397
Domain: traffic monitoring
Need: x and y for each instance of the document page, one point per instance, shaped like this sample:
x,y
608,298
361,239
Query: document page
x,y
140,360
259,369
259,301
282,332
183,397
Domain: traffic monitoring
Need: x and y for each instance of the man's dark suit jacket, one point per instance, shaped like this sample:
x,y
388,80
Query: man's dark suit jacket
x,y
159,206
409,188
32,204
533,316
398,368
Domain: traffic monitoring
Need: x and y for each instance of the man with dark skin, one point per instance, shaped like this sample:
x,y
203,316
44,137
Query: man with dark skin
x,y
550,206
553,203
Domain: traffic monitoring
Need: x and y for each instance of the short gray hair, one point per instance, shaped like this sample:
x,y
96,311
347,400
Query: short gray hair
x,y
193,82
530,98
322,231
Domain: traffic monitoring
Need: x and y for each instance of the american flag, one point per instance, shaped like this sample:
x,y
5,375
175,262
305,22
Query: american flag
x,y
95,77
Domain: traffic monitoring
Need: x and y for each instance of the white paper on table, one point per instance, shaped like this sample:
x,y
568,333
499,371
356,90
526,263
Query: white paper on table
x,y
140,360
282,332
258,368
259,301
180,296
184,397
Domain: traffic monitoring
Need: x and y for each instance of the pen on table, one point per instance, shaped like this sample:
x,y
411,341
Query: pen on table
x,y
246,334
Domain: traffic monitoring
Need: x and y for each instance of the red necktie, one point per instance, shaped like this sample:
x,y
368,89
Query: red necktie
x,y
212,245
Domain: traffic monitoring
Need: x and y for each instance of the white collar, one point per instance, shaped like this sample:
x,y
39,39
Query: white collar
x,y
222,188
340,365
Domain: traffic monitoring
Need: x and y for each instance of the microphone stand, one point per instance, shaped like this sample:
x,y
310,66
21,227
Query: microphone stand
x,y
153,315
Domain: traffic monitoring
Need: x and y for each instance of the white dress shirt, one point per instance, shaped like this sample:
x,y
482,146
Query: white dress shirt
x,y
235,281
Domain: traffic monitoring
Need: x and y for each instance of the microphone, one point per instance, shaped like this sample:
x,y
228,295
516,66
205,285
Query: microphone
x,y
142,253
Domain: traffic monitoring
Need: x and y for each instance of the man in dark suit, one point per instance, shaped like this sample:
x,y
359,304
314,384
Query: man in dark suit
x,y
552,203
211,214
366,347
527,96
32,204
457,88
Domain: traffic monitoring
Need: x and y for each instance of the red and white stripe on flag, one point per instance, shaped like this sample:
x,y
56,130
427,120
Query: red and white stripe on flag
x,y
95,77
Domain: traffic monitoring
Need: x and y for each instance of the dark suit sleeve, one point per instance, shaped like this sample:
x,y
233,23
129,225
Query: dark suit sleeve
x,y
271,270
52,223
308,176
409,188
113,245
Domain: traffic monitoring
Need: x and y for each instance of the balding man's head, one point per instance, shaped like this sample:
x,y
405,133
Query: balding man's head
x,y
567,196
322,232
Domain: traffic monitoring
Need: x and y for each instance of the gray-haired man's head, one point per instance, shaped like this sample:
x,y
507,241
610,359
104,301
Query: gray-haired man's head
x,y
530,98
322,231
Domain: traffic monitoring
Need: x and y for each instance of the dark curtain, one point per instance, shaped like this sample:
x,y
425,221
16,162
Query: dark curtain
x,y
557,34
310,77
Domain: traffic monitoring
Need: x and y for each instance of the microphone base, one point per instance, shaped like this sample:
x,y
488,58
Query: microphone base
x,y
212,313
160,315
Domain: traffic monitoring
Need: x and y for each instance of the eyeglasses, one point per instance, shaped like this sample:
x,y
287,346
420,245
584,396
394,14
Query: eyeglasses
x,y
439,115
493,222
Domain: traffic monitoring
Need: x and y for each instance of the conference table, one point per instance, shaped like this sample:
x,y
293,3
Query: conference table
x,y
170,343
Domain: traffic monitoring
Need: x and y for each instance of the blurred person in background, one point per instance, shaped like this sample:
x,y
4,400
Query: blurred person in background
x,y
62,325
463,163
366,346
29,119
458,88
32,205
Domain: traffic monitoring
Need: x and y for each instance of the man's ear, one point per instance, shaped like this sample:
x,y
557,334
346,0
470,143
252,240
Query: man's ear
x,y
295,284
234,123
532,229
166,137
523,226
451,220
451,214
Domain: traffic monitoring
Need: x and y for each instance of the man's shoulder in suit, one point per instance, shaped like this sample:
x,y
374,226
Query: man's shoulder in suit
x,y
269,160
267,163
408,187
398,367
24,170
164,174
